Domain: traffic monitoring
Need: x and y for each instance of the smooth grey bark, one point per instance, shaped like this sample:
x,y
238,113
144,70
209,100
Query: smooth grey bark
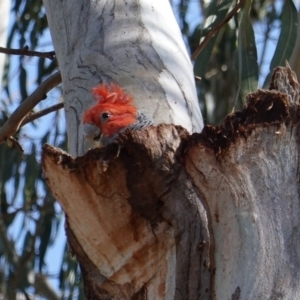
x,y
136,44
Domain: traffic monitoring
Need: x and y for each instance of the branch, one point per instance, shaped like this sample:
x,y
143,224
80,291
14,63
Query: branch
x,y
12,125
31,117
43,287
216,29
14,142
25,51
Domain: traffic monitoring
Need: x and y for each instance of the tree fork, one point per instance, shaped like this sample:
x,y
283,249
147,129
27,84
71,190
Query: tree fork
x,y
213,215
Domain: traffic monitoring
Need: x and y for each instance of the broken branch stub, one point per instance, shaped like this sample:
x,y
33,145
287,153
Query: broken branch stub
x,y
130,216
209,216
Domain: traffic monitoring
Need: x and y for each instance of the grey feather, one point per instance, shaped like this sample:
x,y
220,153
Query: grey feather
x,y
142,122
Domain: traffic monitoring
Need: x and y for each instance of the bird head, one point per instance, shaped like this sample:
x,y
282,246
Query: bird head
x,y
113,112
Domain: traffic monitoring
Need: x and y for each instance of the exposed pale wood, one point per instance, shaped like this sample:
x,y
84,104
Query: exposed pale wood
x,y
135,220
209,216
248,174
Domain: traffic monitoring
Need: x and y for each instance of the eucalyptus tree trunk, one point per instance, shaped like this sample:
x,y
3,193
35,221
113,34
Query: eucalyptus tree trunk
x,y
169,215
136,44
214,215
4,17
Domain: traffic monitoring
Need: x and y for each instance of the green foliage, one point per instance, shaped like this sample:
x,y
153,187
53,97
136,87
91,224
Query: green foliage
x,y
287,38
30,25
230,64
246,55
70,278
216,12
29,216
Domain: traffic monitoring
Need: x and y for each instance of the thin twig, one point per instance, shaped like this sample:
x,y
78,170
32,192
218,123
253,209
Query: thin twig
x,y
25,51
13,123
216,29
31,117
16,143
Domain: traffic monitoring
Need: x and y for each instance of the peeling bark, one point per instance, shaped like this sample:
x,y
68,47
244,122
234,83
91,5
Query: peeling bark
x,y
214,215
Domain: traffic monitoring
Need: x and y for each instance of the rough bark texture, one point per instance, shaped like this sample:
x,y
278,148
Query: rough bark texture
x,y
130,218
135,43
172,216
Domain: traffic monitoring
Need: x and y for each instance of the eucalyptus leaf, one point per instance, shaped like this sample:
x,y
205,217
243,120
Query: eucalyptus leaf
x,y
287,38
245,57
45,239
23,82
216,12
25,201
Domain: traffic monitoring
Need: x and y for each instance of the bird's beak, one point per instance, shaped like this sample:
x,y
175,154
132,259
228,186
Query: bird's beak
x,y
91,132
95,136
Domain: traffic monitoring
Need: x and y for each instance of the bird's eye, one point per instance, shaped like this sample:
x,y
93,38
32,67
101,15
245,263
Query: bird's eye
x,y
105,116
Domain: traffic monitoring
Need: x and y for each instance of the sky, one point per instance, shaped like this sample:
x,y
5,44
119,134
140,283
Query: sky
x,y
54,254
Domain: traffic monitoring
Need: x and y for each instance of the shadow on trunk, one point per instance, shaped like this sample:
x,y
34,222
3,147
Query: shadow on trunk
x,y
214,215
